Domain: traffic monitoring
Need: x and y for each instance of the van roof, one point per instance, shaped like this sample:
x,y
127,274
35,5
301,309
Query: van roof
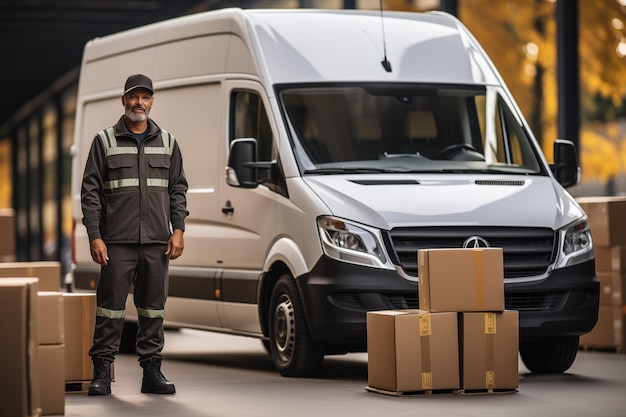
x,y
349,45
313,45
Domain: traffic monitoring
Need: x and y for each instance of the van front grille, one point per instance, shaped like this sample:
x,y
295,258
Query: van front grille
x,y
523,301
533,301
527,251
375,301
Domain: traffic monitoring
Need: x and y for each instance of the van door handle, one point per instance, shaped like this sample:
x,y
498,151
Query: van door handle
x,y
228,208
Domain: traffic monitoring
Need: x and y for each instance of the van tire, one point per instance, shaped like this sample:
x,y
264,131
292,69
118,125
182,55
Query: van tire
x,y
552,355
294,352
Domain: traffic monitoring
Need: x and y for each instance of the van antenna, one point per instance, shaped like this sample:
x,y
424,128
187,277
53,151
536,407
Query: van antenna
x,y
386,64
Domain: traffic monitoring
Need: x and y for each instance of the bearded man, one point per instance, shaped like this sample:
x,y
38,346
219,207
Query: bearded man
x,y
134,198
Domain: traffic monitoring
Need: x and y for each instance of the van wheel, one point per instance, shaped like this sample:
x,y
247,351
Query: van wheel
x,y
293,351
552,355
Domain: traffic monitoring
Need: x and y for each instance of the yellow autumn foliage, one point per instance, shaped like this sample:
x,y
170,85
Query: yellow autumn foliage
x,y
601,159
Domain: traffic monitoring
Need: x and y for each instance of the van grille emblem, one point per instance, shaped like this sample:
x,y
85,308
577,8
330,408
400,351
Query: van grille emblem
x,y
474,242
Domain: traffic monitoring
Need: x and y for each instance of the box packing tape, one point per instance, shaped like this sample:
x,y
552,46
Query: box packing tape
x,y
479,278
425,332
490,332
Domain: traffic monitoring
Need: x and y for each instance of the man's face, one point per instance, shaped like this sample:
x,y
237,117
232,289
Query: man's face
x,y
137,104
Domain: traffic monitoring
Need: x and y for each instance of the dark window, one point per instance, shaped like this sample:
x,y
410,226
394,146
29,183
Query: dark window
x,y
249,120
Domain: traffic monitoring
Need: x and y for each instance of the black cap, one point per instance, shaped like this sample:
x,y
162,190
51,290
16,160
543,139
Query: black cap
x,y
138,81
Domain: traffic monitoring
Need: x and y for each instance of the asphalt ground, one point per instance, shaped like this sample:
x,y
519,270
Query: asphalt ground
x,y
222,375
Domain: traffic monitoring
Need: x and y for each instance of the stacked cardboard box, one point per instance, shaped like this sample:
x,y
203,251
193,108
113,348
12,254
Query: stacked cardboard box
x,y
471,283
51,352
79,320
412,350
50,368
607,220
48,272
489,351
19,356
461,340
461,279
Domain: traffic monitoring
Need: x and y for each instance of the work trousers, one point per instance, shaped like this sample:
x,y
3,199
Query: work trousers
x,y
145,269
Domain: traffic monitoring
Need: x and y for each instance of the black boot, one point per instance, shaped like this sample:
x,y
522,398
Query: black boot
x,y
154,382
101,383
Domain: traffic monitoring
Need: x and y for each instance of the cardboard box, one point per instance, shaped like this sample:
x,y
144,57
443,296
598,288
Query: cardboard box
x,y
461,279
412,350
609,331
48,272
80,320
607,219
7,235
489,350
51,321
19,356
612,286
52,379
610,258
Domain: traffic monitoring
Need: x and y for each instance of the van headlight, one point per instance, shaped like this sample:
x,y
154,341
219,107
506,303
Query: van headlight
x,y
349,242
576,244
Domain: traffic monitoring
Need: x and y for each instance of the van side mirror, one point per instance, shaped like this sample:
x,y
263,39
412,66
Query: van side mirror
x,y
565,167
243,166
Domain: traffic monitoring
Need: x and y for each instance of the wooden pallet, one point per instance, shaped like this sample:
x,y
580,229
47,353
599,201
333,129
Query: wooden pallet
x,y
76,387
441,392
487,391
407,393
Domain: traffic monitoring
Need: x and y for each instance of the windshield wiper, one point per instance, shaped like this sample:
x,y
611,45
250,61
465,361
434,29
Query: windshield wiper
x,y
483,171
349,170
403,170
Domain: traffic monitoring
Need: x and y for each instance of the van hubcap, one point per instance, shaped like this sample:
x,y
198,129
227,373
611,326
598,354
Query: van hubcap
x,y
284,328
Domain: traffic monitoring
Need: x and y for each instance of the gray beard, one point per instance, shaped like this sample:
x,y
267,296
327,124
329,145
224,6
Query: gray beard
x,y
136,117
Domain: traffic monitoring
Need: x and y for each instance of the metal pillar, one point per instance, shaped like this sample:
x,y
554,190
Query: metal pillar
x,y
450,6
568,71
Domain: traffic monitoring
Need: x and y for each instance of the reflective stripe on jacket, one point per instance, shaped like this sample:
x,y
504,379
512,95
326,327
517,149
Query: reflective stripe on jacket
x,y
134,192
109,142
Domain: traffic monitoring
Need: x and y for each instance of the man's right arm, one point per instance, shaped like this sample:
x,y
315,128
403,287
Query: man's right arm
x,y
92,200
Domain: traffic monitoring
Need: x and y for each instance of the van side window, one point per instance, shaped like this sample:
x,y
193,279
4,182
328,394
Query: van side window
x,y
513,136
508,144
248,119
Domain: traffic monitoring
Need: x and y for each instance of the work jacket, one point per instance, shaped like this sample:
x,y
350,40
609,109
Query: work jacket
x,y
134,192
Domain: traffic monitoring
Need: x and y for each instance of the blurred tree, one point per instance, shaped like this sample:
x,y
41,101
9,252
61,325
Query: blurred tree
x,y
603,70
519,35
603,49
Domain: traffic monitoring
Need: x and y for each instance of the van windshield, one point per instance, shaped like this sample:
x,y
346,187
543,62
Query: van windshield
x,y
406,128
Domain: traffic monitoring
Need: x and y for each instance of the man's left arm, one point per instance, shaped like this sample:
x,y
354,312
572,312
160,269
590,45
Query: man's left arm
x,y
178,204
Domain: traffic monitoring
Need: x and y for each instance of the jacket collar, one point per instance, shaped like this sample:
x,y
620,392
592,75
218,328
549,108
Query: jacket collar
x,y
121,129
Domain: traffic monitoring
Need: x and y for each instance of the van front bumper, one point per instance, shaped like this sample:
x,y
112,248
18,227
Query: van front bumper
x,y
563,304
337,296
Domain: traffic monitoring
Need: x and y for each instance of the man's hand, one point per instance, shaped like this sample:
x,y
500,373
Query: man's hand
x,y
99,252
175,244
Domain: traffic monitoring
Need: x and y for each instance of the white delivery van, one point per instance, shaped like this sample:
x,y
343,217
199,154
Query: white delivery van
x,y
322,150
